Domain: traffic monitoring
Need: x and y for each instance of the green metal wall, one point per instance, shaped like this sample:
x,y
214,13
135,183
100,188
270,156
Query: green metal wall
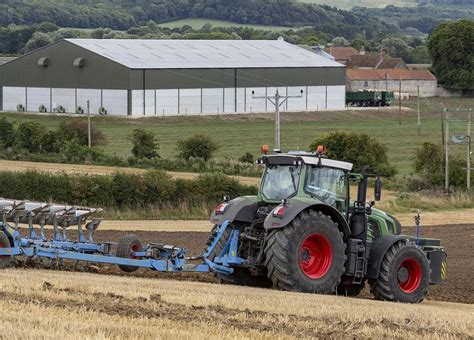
x,y
100,72
97,73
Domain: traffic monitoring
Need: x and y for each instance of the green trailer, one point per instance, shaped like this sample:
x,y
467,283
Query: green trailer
x,y
369,98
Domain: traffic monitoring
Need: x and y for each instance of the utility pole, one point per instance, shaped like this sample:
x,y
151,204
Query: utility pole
x,y
469,151
89,141
419,117
277,100
400,102
446,154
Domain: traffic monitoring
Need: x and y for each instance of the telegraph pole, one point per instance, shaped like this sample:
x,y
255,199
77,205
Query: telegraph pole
x,y
89,141
446,155
419,118
400,103
469,151
277,100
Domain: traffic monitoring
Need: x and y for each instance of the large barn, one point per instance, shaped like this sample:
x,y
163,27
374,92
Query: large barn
x,y
170,77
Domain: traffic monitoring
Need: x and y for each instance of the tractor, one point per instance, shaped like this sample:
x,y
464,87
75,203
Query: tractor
x,y
303,232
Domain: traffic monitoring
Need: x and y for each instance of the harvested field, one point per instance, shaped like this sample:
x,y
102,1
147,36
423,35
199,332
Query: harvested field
x,y
457,239
6,165
75,305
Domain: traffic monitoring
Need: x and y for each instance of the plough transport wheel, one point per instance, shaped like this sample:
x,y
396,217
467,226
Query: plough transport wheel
x,y
126,246
4,243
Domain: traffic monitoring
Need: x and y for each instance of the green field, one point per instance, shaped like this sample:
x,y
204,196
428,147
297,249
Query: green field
x,y
197,23
237,134
347,4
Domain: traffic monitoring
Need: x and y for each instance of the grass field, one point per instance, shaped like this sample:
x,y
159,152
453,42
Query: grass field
x,y
237,134
197,23
75,305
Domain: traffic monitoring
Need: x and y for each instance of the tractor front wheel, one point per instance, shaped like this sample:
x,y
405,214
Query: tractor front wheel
x,y
404,274
306,256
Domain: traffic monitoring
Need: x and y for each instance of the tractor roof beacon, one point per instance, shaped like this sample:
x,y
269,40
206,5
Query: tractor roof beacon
x,y
302,232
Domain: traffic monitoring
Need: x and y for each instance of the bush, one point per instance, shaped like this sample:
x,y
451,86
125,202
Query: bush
x,y
247,158
429,163
77,130
197,146
144,144
51,142
359,149
7,133
72,152
29,136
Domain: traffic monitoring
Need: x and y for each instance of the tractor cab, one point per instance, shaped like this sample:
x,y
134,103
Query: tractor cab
x,y
305,175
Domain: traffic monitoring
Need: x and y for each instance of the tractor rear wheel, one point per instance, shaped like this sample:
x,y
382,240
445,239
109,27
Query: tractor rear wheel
x,y
4,243
404,274
128,244
240,276
306,256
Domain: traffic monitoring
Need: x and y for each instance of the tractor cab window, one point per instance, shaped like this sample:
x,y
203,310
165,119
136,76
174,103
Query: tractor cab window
x,y
328,185
280,181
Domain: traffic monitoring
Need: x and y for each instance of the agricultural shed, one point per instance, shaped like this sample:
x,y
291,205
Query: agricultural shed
x,y
170,77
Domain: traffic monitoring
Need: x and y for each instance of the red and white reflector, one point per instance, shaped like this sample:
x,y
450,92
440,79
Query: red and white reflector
x,y
279,211
221,208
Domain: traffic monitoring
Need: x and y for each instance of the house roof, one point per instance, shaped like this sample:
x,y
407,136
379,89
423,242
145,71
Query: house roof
x,y
365,60
342,53
4,60
392,63
389,74
183,54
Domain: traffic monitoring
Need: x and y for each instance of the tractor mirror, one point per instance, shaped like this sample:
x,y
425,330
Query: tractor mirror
x,y
378,189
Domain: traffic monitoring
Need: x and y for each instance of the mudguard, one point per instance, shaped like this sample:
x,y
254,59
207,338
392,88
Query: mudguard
x,y
241,209
377,252
295,206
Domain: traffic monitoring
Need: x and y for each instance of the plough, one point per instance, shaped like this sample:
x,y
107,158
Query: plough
x,y
130,253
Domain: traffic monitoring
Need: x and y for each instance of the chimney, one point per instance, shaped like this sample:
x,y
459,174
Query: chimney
x,y
362,51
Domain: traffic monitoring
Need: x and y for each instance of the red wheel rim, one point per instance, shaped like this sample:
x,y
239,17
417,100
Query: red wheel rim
x,y
315,256
135,248
409,275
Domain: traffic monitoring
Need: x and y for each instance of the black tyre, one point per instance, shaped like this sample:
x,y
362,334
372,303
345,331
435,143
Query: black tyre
x,y
4,243
306,256
240,276
128,244
350,290
404,274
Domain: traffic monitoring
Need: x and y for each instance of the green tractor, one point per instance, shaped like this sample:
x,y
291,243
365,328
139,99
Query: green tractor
x,y
303,232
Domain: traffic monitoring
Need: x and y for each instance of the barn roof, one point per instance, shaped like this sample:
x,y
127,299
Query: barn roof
x,y
389,74
342,53
182,54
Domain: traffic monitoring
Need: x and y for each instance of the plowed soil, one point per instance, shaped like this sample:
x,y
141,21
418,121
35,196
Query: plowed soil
x,y
457,240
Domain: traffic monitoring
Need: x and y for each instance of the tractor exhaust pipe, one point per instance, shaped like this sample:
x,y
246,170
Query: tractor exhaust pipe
x,y
359,222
